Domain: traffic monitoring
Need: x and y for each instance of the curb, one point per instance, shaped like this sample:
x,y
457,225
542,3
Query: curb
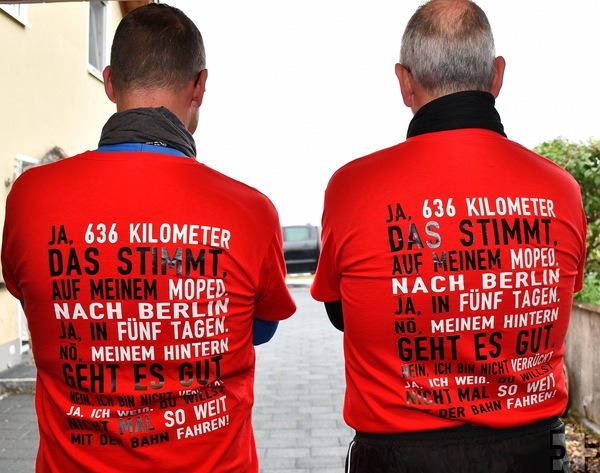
x,y
17,385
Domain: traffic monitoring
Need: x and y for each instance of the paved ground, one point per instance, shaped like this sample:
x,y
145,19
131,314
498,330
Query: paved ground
x,y
297,415
299,389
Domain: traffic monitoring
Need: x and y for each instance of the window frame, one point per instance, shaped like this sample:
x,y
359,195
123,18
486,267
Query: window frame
x,y
18,11
21,163
98,38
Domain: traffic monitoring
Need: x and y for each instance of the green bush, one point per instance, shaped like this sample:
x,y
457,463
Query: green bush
x,y
591,290
582,161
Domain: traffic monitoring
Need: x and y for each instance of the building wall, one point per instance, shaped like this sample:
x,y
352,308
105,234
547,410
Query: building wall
x,y
48,98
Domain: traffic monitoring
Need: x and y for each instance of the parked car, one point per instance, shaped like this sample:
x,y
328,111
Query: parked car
x,y
301,248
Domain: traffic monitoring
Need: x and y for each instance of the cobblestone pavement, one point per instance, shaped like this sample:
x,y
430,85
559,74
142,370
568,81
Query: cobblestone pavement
x,y
299,394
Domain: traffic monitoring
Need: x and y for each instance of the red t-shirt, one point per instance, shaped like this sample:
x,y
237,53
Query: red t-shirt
x,y
140,275
455,255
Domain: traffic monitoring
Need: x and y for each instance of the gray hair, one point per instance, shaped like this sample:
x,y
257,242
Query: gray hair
x,y
448,47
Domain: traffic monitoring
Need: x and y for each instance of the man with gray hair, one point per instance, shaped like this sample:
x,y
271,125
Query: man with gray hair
x,y
145,276
450,262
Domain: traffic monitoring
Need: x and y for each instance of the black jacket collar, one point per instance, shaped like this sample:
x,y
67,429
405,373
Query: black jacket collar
x,y
470,109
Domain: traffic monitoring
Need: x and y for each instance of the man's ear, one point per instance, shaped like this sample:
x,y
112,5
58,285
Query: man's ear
x,y
108,84
499,67
199,88
406,85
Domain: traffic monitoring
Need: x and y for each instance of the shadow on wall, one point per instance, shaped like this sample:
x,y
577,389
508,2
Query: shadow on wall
x,y
53,154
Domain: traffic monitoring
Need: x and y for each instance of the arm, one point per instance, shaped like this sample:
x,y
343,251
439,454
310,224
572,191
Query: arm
x,y
274,301
335,314
263,331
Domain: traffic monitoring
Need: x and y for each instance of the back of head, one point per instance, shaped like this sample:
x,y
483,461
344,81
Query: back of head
x,y
448,47
156,46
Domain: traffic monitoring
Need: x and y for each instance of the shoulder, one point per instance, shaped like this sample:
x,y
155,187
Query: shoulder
x,y
547,168
358,168
245,191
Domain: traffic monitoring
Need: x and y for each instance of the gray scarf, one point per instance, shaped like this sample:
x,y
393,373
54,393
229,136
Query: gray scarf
x,y
154,126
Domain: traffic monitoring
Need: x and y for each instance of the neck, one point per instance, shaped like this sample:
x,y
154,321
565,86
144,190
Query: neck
x,y
155,98
148,126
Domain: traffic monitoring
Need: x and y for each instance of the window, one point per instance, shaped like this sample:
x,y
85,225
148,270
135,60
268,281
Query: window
x,y
21,164
18,12
98,42
292,234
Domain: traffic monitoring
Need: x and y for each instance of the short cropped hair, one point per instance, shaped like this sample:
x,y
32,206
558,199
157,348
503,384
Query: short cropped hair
x,y
156,46
448,47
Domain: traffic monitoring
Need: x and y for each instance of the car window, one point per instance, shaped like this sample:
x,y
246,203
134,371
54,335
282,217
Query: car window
x,y
296,234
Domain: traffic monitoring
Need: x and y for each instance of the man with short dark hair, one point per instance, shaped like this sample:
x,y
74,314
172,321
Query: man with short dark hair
x,y
450,263
142,273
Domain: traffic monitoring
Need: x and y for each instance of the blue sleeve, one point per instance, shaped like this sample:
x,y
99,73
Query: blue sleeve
x,y
263,331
